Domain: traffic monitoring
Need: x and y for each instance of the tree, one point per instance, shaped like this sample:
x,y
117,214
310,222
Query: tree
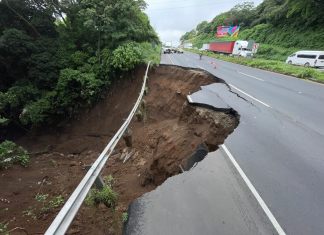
x,y
57,56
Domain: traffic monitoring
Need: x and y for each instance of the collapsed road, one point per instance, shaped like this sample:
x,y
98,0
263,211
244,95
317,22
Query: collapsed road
x,y
162,141
279,142
211,196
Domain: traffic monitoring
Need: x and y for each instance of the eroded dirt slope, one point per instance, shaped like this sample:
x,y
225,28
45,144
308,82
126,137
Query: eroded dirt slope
x,y
163,141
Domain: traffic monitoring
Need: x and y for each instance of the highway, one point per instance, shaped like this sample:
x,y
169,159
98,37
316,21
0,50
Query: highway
x,y
279,143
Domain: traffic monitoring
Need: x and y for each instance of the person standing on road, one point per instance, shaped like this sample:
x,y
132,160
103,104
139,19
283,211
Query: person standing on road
x,y
200,55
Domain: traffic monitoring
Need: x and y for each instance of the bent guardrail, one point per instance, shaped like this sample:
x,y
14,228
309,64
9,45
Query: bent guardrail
x,y
65,217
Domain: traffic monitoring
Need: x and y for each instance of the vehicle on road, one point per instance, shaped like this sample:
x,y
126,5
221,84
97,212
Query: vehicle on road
x,y
176,50
180,51
236,48
167,50
204,47
307,58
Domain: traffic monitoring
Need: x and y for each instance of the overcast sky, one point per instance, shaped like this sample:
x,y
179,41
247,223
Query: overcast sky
x,y
172,18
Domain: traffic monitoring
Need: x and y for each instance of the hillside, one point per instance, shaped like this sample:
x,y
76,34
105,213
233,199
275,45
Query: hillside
x,y
281,27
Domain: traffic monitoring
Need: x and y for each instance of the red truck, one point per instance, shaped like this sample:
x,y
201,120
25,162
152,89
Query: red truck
x,y
222,47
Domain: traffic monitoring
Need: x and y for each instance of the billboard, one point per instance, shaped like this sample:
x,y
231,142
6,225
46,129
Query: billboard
x,y
227,31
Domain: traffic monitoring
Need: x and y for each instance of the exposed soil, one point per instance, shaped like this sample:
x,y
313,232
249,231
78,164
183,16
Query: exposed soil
x,y
163,141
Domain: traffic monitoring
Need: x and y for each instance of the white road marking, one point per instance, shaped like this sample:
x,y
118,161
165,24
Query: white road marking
x,y
251,76
170,59
189,98
255,193
252,97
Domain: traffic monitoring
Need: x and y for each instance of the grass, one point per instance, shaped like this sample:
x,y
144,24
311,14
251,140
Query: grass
x,y
10,154
270,65
272,52
124,217
4,229
49,206
106,195
46,205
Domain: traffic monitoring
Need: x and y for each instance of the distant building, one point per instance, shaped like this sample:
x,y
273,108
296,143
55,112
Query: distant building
x,y
187,45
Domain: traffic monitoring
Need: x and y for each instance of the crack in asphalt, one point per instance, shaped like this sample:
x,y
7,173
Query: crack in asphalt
x,y
235,93
239,96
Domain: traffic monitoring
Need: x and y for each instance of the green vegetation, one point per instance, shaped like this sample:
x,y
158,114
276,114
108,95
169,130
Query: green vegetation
x,y
271,65
272,52
41,197
282,27
10,154
106,195
4,229
30,212
54,203
58,57
124,217
45,206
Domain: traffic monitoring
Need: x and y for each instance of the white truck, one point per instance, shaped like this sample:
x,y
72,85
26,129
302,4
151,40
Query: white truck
x,y
245,48
204,47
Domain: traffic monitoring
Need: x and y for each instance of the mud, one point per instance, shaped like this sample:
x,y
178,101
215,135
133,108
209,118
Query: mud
x,y
165,134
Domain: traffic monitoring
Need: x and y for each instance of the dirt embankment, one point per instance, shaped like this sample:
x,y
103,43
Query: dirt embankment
x,y
163,141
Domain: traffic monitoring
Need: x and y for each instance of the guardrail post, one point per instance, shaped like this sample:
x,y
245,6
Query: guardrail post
x,y
99,181
127,136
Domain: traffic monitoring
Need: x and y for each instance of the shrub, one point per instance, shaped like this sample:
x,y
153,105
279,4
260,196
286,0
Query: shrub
x,y
20,94
40,111
272,52
75,89
79,58
4,121
10,153
106,195
126,57
48,206
124,217
4,229
150,52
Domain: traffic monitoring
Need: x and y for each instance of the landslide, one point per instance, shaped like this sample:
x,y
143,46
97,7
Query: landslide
x,y
165,134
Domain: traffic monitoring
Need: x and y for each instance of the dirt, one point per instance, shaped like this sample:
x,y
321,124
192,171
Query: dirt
x,y
164,136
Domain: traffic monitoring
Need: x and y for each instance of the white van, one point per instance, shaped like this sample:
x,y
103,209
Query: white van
x,y
307,58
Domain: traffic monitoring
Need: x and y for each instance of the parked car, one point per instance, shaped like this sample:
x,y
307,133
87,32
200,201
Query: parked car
x,y
307,58
167,50
179,51
174,50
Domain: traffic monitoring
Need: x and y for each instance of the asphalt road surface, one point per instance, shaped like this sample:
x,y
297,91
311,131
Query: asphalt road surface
x,y
280,140
279,144
209,199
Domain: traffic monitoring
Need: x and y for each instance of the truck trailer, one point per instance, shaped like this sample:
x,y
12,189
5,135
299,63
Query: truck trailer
x,y
238,48
222,47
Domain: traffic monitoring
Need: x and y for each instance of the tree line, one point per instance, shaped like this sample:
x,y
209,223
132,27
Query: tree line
x,y
287,23
57,56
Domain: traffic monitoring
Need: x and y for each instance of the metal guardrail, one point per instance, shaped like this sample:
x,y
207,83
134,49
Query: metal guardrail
x,y
65,217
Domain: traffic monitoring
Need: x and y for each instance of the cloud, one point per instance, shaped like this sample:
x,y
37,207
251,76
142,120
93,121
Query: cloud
x,y
171,19
172,36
